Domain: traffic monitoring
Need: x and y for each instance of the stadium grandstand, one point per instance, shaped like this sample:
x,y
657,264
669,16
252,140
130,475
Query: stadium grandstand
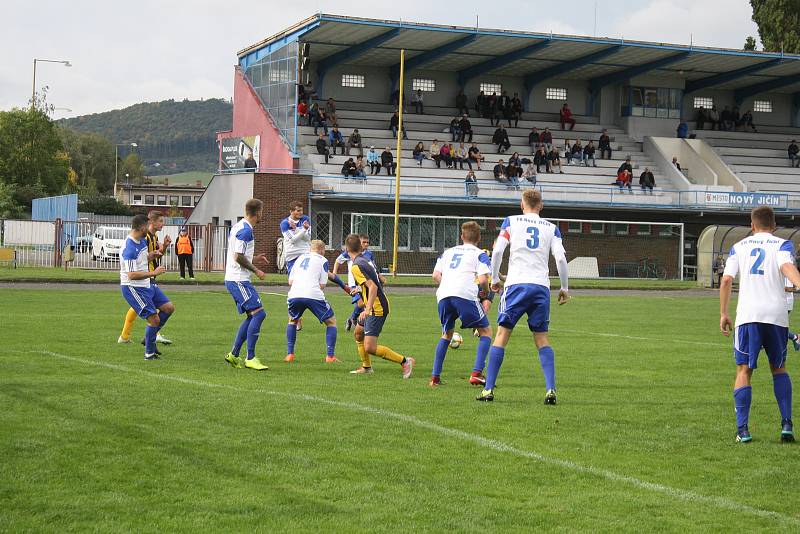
x,y
727,117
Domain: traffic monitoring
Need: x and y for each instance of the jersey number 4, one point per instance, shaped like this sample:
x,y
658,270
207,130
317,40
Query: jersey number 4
x,y
304,264
756,268
533,242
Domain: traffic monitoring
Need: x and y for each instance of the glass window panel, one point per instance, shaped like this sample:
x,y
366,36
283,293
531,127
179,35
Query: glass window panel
x,y
423,84
489,88
555,93
637,98
704,101
762,106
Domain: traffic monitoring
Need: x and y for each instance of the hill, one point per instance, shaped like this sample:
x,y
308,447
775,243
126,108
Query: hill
x,y
178,136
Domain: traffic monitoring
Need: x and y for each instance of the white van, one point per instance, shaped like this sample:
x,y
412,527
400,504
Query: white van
x,y
107,242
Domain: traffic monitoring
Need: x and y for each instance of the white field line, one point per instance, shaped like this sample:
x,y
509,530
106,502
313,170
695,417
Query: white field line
x,y
497,446
721,344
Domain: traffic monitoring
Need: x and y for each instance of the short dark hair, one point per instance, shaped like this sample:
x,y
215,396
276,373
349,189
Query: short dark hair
x,y
363,236
294,205
138,221
252,207
763,218
154,215
353,243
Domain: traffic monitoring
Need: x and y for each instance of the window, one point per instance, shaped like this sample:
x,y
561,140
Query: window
x,y
322,227
173,200
704,101
403,234
423,84
489,88
451,233
353,80
162,200
622,229
762,106
644,229
196,200
661,102
427,233
186,200
373,227
555,93
137,199
149,200
665,231
597,228
574,227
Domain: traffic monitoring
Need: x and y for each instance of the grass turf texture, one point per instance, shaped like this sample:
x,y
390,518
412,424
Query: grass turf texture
x,y
108,442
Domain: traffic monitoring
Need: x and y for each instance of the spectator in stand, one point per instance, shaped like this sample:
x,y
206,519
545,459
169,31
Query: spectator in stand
x,y
475,155
683,130
322,147
701,118
540,158
500,173
725,120
504,108
184,247
713,117
491,108
530,173
461,104
480,104
793,150
516,110
471,184
575,153
417,99
434,155
394,122
250,163
533,139
387,161
736,118
500,138
419,153
514,168
455,129
747,121
466,128
647,181
302,112
546,139
626,166
446,155
354,141
554,160
588,154
335,139
349,168
330,110
565,117
321,121
675,163
373,161
604,144
461,157
624,180
361,171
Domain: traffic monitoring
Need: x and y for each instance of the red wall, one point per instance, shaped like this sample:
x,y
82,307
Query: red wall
x,y
250,118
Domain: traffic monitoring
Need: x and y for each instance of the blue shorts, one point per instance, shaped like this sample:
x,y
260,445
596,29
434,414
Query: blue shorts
x,y
320,308
144,300
356,298
290,264
245,295
373,325
749,338
469,311
520,299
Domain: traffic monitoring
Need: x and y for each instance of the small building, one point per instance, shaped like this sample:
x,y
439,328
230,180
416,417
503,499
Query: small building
x,y
182,197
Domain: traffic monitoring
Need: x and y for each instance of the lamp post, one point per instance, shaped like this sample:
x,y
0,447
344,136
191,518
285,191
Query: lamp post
x,y
116,163
37,60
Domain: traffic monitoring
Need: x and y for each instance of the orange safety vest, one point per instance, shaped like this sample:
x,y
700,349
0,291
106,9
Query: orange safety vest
x,y
184,245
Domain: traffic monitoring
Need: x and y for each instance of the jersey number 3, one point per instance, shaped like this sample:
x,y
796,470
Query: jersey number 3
x,y
756,268
533,242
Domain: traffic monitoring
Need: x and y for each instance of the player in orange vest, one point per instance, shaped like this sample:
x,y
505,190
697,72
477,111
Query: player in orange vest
x,y
185,249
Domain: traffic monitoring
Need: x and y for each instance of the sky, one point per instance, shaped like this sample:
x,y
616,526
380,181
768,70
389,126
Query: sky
x,y
123,53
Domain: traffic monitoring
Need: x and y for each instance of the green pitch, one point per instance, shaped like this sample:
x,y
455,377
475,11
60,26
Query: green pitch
x,y
94,438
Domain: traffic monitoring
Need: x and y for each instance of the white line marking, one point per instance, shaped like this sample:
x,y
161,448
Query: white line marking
x,y
497,446
638,338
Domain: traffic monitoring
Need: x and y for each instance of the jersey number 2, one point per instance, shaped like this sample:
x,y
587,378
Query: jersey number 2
x,y
533,242
304,264
756,268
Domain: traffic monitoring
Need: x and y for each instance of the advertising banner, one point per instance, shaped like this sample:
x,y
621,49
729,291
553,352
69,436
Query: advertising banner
x,y
747,200
240,152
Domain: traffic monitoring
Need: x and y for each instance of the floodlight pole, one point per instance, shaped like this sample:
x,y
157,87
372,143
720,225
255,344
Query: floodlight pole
x,y
397,168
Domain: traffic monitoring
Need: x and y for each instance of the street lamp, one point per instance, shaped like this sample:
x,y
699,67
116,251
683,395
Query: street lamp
x,y
116,163
36,60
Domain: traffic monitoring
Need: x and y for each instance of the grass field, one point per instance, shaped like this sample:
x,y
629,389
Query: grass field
x,y
95,438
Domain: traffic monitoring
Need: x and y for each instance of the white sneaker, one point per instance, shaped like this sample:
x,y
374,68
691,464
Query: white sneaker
x,y
408,367
161,339
121,340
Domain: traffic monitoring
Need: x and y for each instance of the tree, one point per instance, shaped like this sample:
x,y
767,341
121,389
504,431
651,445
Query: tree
x,y
91,157
778,24
102,205
750,43
9,208
133,167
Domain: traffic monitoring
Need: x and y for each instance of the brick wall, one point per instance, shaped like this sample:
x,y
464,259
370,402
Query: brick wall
x,y
276,191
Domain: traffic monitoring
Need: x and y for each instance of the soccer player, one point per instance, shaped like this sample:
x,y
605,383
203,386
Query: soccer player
x,y
527,287
306,283
789,289
344,258
155,222
372,318
136,281
762,261
457,295
239,265
296,230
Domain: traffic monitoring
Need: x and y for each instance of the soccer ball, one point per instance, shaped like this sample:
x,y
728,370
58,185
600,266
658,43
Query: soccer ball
x,y
456,341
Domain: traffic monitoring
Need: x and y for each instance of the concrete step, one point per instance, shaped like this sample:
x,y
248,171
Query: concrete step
x,y
768,171
753,152
745,137
758,161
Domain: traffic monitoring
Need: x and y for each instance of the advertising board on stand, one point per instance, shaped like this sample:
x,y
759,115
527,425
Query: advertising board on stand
x,y
746,201
237,151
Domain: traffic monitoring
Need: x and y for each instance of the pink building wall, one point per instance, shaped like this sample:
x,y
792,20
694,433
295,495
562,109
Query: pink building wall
x,y
250,118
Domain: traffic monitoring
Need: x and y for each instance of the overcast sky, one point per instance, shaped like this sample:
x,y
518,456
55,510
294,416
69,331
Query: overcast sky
x,y
128,52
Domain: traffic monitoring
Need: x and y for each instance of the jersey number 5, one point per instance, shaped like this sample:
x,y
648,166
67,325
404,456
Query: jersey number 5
x,y
456,261
756,268
533,242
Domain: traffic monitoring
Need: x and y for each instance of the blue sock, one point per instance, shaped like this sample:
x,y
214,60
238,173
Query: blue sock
x,y
330,340
291,337
438,359
356,312
496,355
150,339
484,343
782,385
163,317
241,336
741,399
547,359
792,336
253,332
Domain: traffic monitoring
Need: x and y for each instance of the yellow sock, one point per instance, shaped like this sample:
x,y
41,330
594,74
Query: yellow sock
x,y
388,354
130,318
366,361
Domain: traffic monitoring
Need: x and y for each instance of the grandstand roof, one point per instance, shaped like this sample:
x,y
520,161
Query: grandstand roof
x,y
477,51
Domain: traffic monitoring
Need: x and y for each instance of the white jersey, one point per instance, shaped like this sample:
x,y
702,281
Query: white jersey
x,y
297,240
757,260
532,240
344,257
460,266
309,272
240,241
133,258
